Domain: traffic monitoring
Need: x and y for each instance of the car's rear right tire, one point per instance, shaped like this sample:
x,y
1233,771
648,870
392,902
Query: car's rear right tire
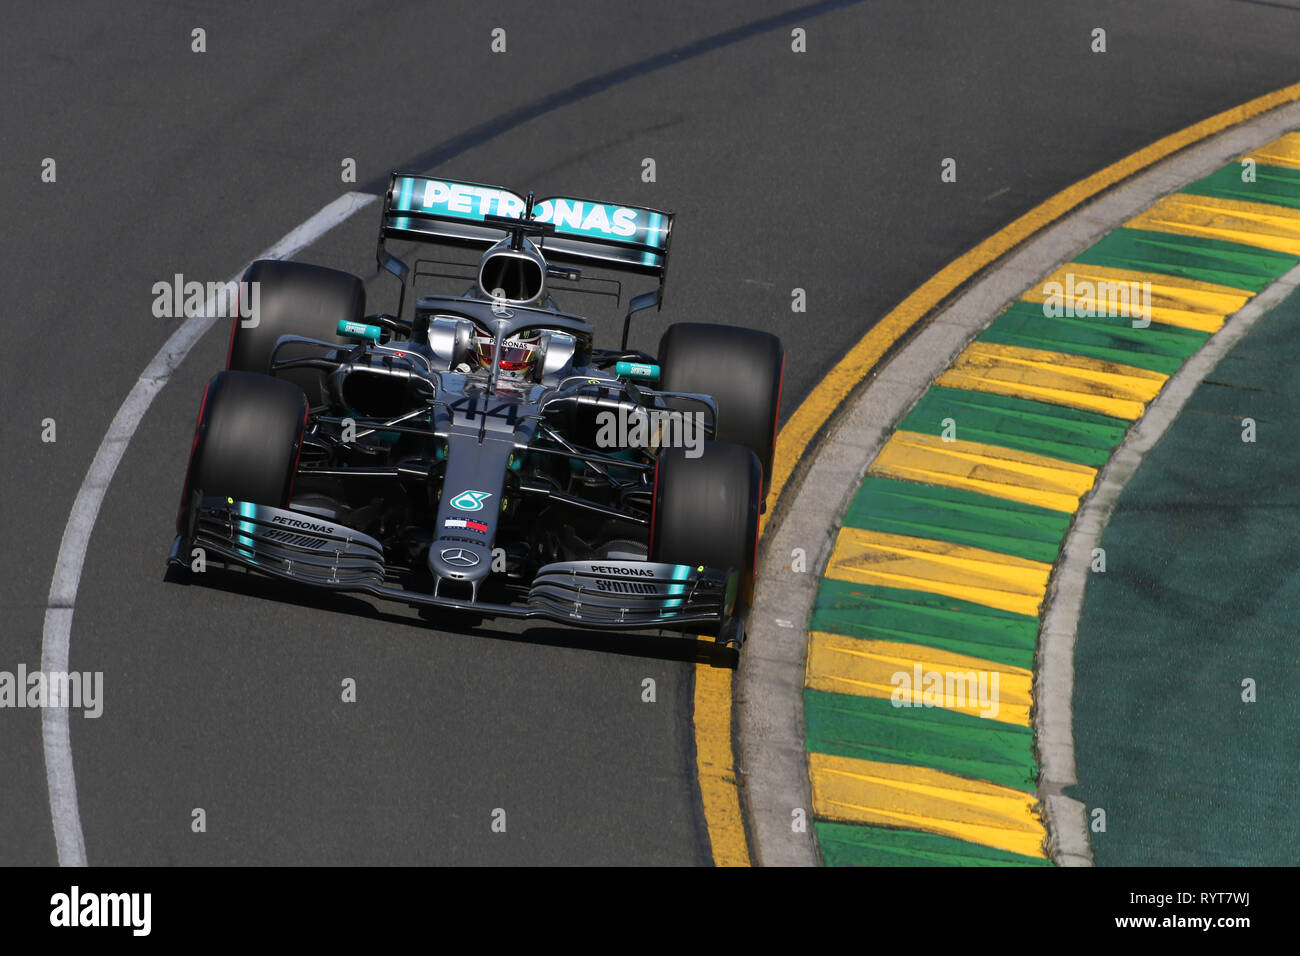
x,y
741,369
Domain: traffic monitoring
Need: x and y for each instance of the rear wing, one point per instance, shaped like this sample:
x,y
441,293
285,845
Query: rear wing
x,y
424,209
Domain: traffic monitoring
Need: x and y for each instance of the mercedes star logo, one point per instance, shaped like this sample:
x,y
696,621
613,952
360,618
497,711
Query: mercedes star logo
x,y
460,557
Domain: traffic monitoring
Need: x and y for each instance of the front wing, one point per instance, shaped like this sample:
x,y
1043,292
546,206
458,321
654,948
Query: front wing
x,y
612,594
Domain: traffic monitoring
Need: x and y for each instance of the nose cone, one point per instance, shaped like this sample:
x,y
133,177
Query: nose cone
x,y
459,561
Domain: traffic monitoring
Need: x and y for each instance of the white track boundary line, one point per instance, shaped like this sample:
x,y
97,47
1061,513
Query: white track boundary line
x,y
62,601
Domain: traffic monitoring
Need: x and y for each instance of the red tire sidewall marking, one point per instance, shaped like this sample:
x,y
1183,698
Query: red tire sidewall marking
x,y
654,506
189,467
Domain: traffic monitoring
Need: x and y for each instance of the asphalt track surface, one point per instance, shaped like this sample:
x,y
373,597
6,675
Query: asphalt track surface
x,y
816,170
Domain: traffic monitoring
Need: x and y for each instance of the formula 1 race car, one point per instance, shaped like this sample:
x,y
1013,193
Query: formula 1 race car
x,y
482,455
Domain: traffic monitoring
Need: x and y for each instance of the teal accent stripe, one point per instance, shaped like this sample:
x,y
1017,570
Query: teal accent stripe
x,y
680,573
247,510
652,239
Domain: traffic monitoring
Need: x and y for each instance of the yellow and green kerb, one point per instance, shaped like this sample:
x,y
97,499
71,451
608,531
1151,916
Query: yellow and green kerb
x,y
943,561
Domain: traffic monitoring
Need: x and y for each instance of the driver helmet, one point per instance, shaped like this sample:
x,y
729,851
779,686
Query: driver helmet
x,y
519,353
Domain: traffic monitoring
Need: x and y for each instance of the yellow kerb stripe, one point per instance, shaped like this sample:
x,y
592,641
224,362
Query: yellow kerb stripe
x,y
1250,223
939,567
988,469
714,766
1282,152
1186,303
918,798
867,668
1074,380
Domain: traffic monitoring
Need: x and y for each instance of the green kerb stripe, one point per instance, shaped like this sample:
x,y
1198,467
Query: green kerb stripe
x,y
1086,438
894,614
1206,260
872,728
1160,348
847,844
959,516
1273,184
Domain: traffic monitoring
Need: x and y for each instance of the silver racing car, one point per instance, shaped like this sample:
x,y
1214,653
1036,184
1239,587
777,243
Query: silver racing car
x,y
482,454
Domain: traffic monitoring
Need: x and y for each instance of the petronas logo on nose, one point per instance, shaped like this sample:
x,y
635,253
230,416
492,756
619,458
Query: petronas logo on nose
x,y
470,500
